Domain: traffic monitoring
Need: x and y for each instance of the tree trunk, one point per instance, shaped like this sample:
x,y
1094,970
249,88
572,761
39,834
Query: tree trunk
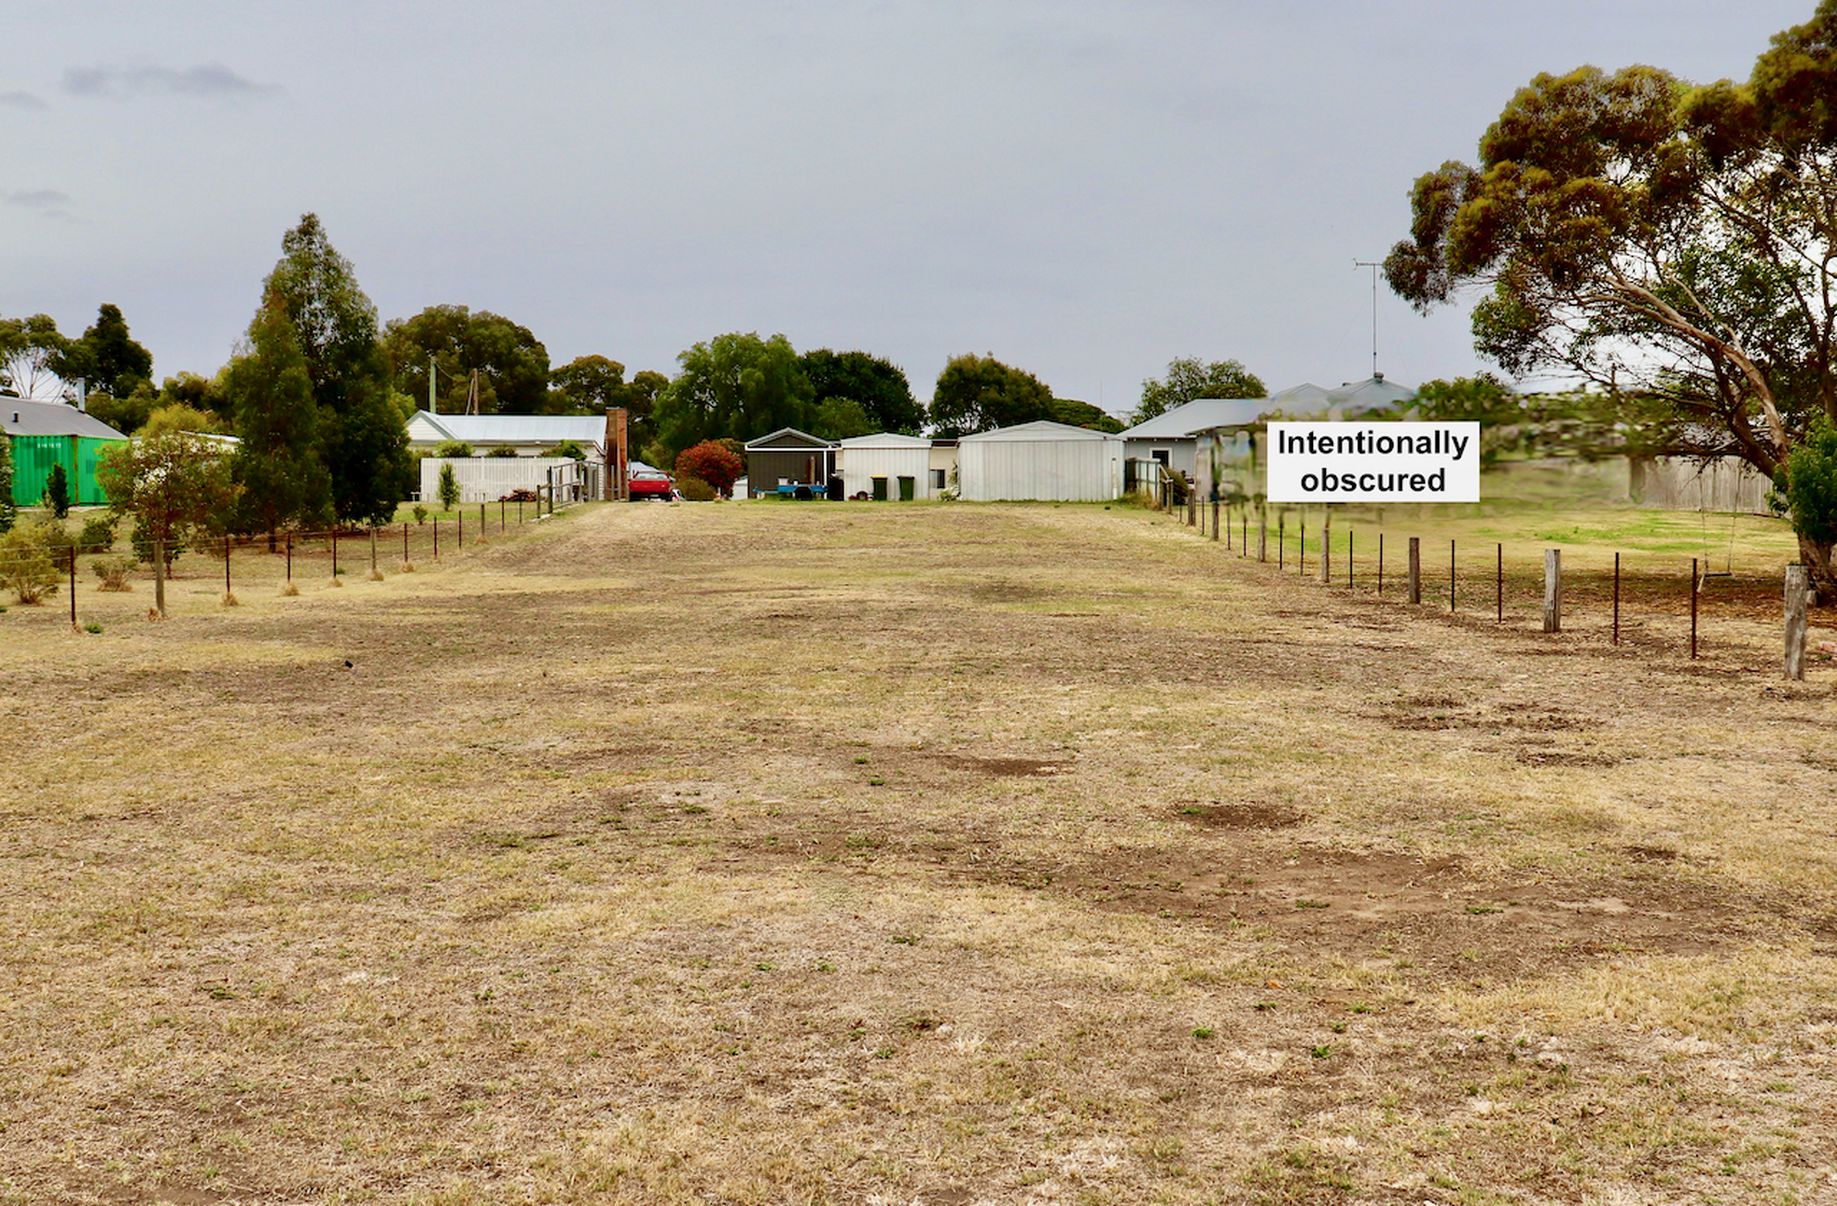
x,y
1817,559
272,546
159,575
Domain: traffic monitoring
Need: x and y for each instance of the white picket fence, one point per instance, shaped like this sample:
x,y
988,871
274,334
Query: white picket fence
x,y
489,478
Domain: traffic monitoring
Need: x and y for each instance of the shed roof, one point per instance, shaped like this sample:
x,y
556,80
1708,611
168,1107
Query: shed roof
x,y
788,437
24,417
1201,414
886,439
1039,429
518,429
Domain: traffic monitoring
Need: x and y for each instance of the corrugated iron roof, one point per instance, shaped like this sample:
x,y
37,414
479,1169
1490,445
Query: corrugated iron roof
x,y
519,429
1039,429
1201,414
24,417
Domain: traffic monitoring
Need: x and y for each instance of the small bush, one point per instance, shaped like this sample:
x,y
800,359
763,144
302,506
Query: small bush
x,y
420,514
502,450
98,534
449,488
695,489
57,492
28,559
113,571
447,448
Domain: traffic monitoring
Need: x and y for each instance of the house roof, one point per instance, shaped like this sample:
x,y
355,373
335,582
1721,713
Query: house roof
x,y
1306,396
24,417
788,437
1373,393
886,439
1201,414
517,429
1039,429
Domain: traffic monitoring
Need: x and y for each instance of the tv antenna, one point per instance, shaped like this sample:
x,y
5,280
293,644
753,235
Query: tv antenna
x,y
1374,265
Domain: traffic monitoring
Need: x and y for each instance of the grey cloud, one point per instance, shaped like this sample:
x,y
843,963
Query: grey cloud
x,y
204,79
46,202
21,100
38,198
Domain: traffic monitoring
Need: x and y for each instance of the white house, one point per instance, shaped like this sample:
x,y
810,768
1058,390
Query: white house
x,y
1171,436
529,435
886,465
1040,460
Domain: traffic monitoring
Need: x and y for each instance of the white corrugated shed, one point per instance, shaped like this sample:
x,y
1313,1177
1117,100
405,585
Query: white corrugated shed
x,y
1042,460
890,457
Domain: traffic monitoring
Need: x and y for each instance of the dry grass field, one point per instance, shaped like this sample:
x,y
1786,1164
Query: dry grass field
x,y
806,853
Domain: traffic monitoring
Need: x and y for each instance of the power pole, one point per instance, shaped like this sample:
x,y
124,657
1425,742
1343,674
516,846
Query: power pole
x,y
433,405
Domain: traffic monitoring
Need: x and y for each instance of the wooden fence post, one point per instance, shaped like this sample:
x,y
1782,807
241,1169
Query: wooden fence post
x,y
1380,564
1326,547
73,586
1798,587
1215,519
1415,569
1553,590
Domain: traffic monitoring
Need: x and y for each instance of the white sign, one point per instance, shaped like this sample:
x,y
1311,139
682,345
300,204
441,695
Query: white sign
x,y
1374,462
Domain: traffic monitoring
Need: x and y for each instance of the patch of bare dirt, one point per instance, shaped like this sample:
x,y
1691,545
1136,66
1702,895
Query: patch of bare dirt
x,y
1006,766
1237,816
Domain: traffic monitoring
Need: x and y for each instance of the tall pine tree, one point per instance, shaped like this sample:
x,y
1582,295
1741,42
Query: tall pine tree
x,y
279,463
362,438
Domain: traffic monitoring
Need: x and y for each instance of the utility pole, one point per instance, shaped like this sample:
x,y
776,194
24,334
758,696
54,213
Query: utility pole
x,y
433,405
1374,265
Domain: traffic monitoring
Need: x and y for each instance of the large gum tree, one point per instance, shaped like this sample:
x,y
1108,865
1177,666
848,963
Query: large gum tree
x,y
1664,240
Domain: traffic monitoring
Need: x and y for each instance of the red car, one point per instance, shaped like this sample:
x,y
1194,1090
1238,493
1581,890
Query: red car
x,y
645,482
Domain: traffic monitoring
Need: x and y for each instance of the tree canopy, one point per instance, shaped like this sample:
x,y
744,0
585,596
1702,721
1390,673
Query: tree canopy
x,y
363,440
876,385
512,364
1189,378
1657,238
33,357
737,385
279,464
976,393
108,355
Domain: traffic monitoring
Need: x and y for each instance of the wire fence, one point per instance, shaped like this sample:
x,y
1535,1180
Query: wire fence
x,y
1648,602
284,559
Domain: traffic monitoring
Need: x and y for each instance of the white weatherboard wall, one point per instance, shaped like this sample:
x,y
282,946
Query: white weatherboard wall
x,y
1045,461
864,458
489,478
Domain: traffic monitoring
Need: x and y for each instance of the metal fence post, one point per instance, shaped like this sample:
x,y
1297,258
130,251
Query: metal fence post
x,y
1415,569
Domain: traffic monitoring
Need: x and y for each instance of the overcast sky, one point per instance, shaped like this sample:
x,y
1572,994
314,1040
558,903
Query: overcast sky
x,y
1085,190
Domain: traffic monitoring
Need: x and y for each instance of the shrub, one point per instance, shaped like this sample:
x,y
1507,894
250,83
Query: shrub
x,y
7,513
28,559
695,489
449,488
502,450
98,534
569,448
713,462
1807,484
420,514
113,571
57,492
453,448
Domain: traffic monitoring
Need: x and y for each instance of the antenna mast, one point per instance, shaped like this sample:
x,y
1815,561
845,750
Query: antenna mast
x,y
1374,265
